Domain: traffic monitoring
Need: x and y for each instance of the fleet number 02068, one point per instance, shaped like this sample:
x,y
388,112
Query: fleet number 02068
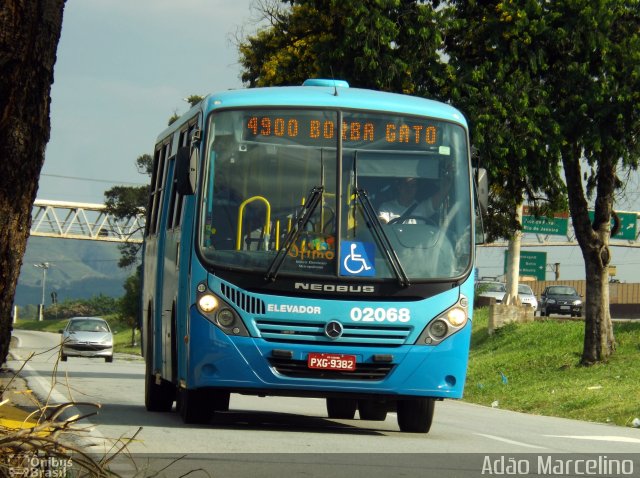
x,y
379,314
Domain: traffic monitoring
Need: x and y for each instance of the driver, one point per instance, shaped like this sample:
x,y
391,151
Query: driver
x,y
407,205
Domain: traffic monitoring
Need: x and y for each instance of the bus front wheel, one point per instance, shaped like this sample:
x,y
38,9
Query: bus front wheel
x,y
341,408
416,415
194,406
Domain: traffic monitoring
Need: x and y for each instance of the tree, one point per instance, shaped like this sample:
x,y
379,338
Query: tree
x,y
29,35
497,62
594,63
373,44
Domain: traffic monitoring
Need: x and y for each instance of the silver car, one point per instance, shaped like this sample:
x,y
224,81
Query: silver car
x,y
491,289
87,337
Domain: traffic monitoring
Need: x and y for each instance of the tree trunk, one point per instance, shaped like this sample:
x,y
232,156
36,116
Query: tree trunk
x,y
29,35
593,238
513,263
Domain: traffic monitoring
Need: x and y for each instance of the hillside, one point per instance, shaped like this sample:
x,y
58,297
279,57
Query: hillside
x,y
78,270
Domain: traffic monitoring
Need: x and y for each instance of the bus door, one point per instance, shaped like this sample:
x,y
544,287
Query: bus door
x,y
175,256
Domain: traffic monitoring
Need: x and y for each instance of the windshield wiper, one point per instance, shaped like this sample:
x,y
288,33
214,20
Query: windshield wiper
x,y
310,205
382,237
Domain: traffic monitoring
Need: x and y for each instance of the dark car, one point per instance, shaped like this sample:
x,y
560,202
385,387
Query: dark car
x,y
560,299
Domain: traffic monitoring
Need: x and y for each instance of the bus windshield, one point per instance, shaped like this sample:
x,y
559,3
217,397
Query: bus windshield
x,y
330,193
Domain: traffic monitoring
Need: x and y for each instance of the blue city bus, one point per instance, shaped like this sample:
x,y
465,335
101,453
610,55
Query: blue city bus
x,y
269,271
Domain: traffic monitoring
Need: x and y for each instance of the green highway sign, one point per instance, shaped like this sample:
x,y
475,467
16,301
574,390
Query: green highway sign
x,y
628,230
531,264
556,225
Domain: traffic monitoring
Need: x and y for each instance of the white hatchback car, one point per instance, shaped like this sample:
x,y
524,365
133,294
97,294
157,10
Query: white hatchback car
x,y
527,297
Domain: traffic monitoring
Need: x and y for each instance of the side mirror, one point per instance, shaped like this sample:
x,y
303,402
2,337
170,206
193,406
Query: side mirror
x,y
482,189
186,170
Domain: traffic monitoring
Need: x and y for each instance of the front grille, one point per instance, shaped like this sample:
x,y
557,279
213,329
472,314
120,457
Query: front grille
x,y
274,330
299,369
249,304
87,347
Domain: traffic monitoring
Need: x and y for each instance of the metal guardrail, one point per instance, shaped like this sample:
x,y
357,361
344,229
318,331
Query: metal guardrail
x,y
73,220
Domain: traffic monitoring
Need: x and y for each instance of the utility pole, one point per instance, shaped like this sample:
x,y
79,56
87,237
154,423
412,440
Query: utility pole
x,y
44,266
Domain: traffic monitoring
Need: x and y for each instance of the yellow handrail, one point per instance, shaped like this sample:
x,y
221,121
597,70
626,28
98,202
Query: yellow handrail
x,y
266,223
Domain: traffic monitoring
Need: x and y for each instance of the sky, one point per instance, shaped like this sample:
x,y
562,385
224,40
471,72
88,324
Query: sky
x,y
124,67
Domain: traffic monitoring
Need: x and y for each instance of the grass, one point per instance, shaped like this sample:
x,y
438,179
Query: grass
x,y
121,332
539,361
534,368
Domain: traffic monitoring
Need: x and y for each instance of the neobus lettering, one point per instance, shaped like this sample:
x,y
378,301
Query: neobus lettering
x,y
334,287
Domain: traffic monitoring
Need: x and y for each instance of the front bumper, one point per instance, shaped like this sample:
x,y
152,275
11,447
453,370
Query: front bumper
x,y
245,364
87,350
563,309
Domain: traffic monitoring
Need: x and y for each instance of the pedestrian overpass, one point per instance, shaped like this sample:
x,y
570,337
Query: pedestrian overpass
x,y
75,220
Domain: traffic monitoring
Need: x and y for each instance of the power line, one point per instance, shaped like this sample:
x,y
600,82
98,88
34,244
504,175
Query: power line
x,y
108,181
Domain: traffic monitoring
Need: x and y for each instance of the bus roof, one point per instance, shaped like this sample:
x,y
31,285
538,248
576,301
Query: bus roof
x,y
320,96
325,97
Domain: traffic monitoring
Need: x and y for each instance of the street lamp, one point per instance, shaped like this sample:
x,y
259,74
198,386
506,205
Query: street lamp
x,y
44,266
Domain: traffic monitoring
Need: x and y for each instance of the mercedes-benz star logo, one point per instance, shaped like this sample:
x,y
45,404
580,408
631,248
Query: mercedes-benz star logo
x,y
333,329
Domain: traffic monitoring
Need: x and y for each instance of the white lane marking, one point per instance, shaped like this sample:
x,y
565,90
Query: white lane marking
x,y
512,442
612,438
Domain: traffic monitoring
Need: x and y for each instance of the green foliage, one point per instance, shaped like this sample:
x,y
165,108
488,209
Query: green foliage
x,y
194,99
498,64
541,363
144,163
129,306
373,44
99,305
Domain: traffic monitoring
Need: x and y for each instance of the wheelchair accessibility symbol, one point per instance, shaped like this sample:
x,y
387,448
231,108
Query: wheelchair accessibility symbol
x,y
357,259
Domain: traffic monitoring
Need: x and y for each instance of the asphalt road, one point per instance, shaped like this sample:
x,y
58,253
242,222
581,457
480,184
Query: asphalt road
x,y
269,433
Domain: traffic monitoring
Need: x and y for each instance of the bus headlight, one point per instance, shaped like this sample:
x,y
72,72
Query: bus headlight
x,y
445,324
457,317
207,303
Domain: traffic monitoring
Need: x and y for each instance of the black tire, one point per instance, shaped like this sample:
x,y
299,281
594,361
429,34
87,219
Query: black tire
x,y
194,406
158,397
220,401
416,415
63,358
372,409
543,313
108,359
344,408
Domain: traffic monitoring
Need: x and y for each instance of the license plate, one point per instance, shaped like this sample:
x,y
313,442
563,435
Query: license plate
x,y
331,361
565,307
